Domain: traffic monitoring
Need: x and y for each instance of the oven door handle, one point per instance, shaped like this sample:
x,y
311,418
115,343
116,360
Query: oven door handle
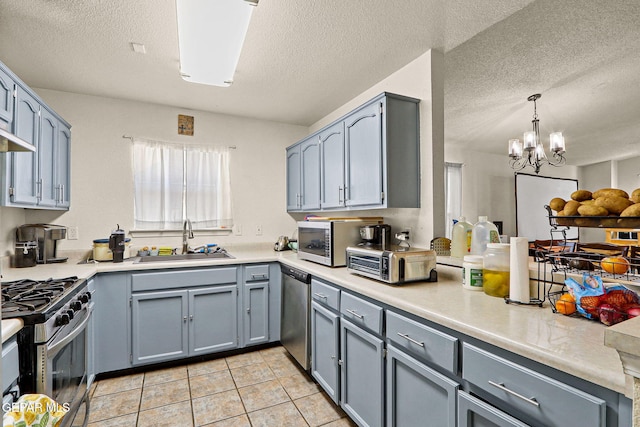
x,y
55,348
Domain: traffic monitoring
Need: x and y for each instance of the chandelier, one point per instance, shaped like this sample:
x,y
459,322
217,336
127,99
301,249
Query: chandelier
x,y
531,152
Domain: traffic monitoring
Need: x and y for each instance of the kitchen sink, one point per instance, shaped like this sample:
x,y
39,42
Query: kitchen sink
x,y
184,257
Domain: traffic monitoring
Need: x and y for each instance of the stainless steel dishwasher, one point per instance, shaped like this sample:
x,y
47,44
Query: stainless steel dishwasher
x,y
295,325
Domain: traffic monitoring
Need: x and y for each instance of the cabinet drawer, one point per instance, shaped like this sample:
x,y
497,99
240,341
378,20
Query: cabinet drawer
x,y
182,278
546,400
361,312
325,294
425,343
9,363
254,273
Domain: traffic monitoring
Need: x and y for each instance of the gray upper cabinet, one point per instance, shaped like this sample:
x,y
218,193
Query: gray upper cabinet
x,y
303,175
332,143
370,158
33,180
6,100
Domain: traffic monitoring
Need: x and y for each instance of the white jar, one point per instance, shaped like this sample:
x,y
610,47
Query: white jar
x,y
460,238
472,272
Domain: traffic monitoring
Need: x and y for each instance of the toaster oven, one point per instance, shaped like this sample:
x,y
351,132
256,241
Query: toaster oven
x,y
394,264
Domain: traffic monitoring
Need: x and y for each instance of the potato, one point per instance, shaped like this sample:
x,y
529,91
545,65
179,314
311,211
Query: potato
x,y
633,210
557,204
610,192
592,210
580,195
571,208
635,195
613,204
587,202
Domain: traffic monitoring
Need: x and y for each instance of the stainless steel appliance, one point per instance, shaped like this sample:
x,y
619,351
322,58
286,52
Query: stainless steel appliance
x,y
46,236
295,325
395,264
379,234
282,244
25,255
53,344
325,242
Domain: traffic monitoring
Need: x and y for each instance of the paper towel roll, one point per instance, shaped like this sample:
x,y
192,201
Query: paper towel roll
x,y
519,266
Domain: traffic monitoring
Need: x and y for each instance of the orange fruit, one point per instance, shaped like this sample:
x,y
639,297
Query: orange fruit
x,y
566,304
614,265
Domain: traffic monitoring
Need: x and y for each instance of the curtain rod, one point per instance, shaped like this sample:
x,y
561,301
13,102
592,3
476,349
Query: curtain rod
x,y
231,147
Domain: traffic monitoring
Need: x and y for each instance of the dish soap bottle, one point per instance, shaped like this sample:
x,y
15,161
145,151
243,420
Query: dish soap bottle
x,y
483,232
460,238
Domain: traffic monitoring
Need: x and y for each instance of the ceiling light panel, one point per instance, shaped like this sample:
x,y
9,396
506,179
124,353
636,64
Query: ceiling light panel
x,y
211,34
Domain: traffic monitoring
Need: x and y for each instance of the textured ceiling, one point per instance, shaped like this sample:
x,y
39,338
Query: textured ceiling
x,y
303,59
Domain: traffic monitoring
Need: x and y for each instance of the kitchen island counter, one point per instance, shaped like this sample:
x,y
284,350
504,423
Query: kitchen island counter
x,y
569,344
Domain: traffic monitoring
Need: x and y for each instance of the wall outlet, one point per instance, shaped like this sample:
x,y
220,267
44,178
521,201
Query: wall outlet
x,y
259,230
237,229
72,233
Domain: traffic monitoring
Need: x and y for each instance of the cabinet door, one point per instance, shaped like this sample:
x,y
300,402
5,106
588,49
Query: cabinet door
x,y
256,313
112,322
473,412
293,178
6,100
332,175
63,167
24,166
362,379
47,158
310,174
418,395
364,156
213,318
325,348
159,321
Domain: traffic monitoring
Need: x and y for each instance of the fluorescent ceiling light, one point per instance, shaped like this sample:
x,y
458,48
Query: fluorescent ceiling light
x,y
210,36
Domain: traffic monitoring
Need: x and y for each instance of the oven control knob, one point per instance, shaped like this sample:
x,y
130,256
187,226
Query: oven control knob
x,y
62,319
84,298
76,305
70,314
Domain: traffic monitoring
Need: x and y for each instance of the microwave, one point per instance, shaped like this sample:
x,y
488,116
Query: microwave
x,y
326,242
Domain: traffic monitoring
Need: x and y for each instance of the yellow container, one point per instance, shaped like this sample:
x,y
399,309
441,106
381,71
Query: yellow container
x,y
495,270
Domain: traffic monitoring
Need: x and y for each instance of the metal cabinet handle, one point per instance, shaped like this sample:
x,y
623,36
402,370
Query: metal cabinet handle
x,y
359,316
408,338
321,296
249,310
258,276
61,193
339,194
184,319
191,317
530,400
345,194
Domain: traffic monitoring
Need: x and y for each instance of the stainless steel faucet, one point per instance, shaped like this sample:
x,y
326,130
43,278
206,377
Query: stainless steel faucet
x,y
187,233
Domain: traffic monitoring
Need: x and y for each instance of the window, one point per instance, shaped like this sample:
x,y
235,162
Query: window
x,y
173,182
453,194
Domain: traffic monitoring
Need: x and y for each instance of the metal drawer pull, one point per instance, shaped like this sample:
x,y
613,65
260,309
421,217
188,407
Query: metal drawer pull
x,y
359,316
408,338
321,296
531,400
258,276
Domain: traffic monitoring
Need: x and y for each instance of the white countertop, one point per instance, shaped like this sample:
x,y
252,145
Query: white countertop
x,y
10,327
570,344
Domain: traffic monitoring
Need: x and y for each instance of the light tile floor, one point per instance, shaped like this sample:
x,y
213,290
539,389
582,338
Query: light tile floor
x,y
262,388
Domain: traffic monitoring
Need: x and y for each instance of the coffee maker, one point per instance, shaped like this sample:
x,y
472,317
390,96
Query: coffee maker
x,y
46,237
376,235
116,244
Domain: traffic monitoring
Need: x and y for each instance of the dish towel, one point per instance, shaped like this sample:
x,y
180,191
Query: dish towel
x,y
34,410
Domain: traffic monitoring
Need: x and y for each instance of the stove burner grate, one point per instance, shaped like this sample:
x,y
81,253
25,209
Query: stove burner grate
x,y
30,296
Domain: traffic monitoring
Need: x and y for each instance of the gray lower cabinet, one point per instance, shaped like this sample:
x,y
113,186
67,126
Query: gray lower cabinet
x,y
255,299
174,324
362,375
91,336
325,349
473,412
417,395
112,322
10,363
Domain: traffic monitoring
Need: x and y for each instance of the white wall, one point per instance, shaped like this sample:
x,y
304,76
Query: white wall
x,y
102,185
423,79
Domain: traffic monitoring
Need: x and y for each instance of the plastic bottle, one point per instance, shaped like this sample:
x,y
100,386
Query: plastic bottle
x,y
459,246
495,270
472,272
483,232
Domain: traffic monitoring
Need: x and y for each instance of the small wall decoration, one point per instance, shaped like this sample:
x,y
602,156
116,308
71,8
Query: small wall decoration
x,y
185,125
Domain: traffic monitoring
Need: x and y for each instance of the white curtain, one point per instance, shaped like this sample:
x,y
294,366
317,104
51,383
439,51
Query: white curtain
x,y
173,182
